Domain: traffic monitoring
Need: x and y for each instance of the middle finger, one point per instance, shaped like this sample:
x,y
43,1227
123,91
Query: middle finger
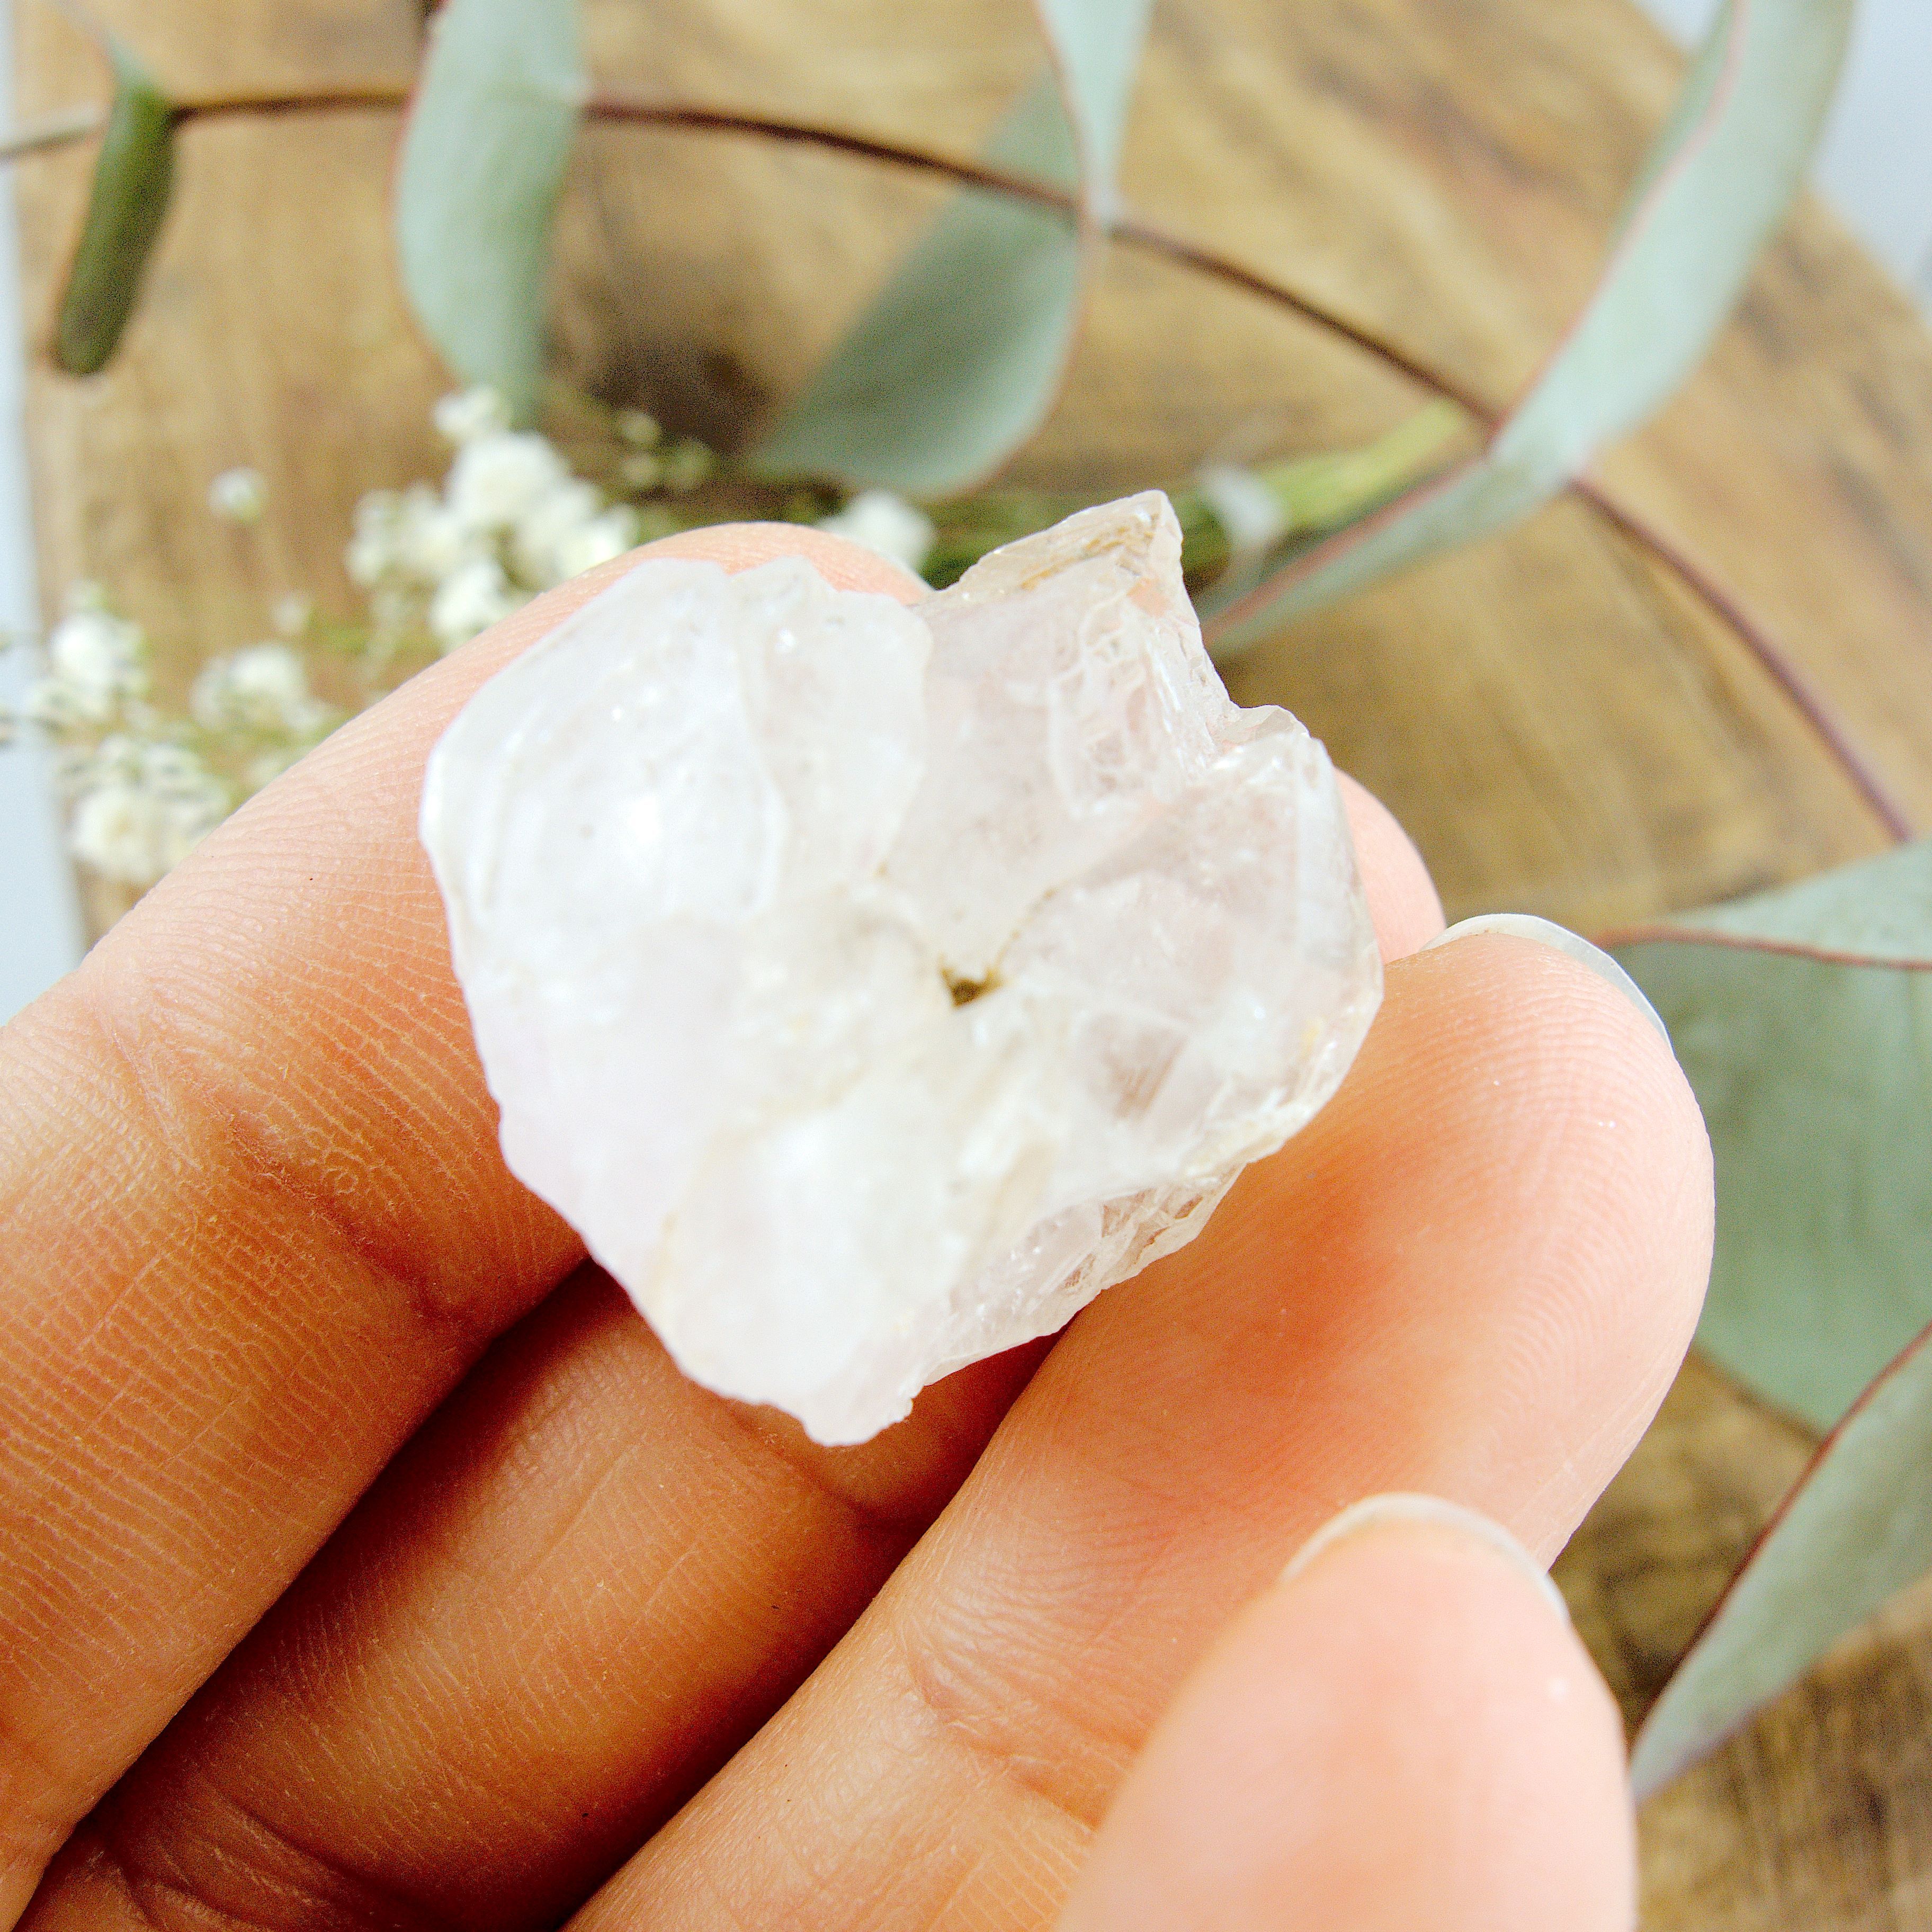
x,y
1473,1275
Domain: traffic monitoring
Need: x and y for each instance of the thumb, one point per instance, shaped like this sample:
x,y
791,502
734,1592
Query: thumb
x,y
1404,1732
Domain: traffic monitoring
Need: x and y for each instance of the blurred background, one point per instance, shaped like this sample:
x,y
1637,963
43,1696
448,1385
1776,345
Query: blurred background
x,y
1874,168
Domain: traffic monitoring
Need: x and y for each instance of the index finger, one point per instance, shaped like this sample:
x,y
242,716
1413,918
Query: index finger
x,y
257,1225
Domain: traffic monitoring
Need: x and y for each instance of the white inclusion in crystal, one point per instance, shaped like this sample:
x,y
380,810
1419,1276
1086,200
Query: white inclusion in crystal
x,y
871,986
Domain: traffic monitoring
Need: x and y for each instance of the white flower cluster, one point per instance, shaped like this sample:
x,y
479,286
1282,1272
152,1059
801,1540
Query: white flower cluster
x,y
97,662
257,703
439,564
142,807
239,495
144,790
887,524
510,520
140,800
263,689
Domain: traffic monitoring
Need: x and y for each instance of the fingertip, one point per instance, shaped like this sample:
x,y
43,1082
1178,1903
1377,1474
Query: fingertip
x,y
1579,1017
843,564
1402,896
1401,1732
1573,945
1611,1146
1510,1200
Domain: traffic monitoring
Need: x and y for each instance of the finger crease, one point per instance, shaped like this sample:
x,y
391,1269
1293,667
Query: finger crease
x,y
894,1532
263,1172
983,1727
236,1868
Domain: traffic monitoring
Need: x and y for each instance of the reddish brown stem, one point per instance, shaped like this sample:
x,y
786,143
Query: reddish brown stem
x,y
1656,935
1789,678
708,120
1152,239
220,107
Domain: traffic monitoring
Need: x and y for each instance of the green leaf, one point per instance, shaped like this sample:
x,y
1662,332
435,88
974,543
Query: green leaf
x,y
133,176
955,361
489,138
1717,181
1857,1527
1096,50
958,360
1804,1020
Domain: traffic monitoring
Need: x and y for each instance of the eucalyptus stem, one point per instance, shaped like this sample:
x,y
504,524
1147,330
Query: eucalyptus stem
x,y
47,131
52,132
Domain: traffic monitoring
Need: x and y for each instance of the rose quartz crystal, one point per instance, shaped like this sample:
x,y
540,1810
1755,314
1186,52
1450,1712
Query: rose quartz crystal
x,y
872,985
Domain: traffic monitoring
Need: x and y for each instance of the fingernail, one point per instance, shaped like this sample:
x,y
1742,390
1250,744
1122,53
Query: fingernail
x,y
1547,932
1377,1512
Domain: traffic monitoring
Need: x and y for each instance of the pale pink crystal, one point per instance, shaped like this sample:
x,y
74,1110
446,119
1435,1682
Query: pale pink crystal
x,y
872,986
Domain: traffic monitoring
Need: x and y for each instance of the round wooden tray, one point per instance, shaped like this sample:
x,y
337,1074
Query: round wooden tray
x,y
1564,725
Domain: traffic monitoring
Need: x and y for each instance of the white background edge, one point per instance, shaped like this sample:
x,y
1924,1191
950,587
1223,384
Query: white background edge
x,y
39,915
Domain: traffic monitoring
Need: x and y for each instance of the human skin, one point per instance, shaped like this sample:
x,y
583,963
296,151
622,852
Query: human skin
x,y
364,1563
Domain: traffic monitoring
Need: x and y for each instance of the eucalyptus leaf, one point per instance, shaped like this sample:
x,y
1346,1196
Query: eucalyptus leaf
x,y
1804,1021
1717,181
958,360
132,177
1857,1528
1097,48
489,137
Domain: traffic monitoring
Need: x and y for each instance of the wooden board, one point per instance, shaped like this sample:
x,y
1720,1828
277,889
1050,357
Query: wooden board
x,y
1562,727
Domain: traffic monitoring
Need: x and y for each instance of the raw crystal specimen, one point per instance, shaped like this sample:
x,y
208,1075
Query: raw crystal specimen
x,y
872,986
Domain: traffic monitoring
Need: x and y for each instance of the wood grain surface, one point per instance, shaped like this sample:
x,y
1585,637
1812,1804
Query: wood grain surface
x,y
1563,726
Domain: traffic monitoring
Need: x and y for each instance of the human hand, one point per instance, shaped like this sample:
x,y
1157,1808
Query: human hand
x,y
259,1242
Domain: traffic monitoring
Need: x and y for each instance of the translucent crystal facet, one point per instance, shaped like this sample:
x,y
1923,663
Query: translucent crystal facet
x,y
871,986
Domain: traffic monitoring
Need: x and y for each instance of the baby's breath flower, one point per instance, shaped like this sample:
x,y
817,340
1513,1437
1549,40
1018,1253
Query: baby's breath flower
x,y
472,413
497,479
431,539
95,661
173,772
239,495
144,808
886,523
639,427
117,830
687,463
470,599
509,520
549,527
372,551
264,687
293,614
602,539
410,533
641,470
